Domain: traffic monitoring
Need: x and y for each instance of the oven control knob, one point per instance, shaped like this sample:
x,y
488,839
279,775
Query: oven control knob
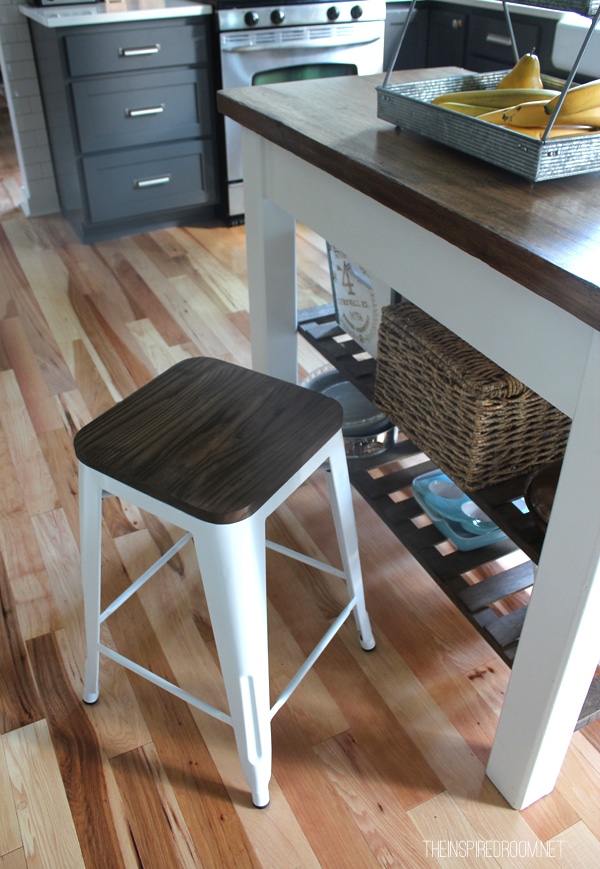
x,y
356,11
333,13
277,16
251,18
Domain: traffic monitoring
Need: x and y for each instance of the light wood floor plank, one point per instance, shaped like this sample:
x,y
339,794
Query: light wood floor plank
x,y
11,491
459,770
163,249
218,282
19,700
159,830
578,779
47,828
210,327
41,406
159,354
143,301
78,754
575,848
447,838
38,285
374,805
93,381
38,489
33,599
10,834
127,370
13,860
321,812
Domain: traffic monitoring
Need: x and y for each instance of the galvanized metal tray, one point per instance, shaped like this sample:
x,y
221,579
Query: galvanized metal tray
x,y
409,107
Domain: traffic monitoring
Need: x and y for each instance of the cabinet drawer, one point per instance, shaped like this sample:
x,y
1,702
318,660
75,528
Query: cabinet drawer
x,y
446,43
124,111
489,39
146,180
124,49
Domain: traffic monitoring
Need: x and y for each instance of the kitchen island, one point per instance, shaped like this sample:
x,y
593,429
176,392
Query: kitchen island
x,y
511,267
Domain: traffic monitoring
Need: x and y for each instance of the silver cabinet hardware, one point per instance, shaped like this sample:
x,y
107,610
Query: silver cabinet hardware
x,y
141,113
498,39
157,181
137,52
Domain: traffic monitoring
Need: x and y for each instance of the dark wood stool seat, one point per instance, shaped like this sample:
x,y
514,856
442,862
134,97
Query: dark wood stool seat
x,y
210,438
214,449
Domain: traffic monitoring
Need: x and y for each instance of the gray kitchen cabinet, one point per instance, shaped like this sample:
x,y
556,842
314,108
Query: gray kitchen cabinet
x,y
131,122
413,53
448,34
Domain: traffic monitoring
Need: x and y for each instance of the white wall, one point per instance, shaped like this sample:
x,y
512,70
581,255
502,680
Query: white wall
x,y
25,107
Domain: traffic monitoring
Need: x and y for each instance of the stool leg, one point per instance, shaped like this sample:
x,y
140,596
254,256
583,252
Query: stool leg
x,y
90,534
232,563
340,494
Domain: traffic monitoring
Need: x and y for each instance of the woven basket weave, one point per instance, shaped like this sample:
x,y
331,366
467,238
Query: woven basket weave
x,y
476,421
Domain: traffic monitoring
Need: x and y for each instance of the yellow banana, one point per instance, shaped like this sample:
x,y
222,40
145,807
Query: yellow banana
x,y
589,117
524,74
578,99
467,108
497,98
529,114
555,133
533,114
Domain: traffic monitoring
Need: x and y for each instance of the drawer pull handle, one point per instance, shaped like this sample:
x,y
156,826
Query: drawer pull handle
x,y
498,39
140,113
136,52
141,183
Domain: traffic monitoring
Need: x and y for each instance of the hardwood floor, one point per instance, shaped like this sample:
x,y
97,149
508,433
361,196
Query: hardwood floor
x,y
379,758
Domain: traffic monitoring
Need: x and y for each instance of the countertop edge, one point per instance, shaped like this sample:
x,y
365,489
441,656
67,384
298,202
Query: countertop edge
x,y
526,264
113,13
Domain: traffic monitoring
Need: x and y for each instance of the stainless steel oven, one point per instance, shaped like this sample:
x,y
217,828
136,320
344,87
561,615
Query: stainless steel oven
x,y
266,44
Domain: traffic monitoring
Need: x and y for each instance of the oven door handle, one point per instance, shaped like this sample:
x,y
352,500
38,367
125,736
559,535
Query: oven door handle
x,y
301,44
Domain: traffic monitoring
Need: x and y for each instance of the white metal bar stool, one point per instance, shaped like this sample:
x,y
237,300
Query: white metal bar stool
x,y
214,449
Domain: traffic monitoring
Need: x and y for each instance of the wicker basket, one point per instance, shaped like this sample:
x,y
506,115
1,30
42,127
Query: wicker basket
x,y
476,421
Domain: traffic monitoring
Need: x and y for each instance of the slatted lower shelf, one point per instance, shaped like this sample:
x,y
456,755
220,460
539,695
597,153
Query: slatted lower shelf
x,y
491,585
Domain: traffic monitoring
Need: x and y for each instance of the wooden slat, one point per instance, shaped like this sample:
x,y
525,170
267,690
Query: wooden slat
x,y
490,590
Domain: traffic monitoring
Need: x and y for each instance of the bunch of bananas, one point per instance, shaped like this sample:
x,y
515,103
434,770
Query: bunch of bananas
x,y
521,102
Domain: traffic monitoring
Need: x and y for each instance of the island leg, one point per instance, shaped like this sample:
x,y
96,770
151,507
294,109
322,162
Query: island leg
x,y
271,256
560,644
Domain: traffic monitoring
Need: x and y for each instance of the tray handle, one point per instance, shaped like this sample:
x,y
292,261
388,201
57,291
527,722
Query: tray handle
x,y
572,74
399,43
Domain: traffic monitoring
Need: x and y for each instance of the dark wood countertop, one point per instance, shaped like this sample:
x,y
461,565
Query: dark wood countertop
x,y
545,236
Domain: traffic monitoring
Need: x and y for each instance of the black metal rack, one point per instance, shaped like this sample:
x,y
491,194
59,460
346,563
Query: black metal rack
x,y
496,604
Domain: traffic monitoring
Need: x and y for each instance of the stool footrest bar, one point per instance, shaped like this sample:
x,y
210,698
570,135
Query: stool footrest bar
x,y
164,683
310,660
135,586
305,559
